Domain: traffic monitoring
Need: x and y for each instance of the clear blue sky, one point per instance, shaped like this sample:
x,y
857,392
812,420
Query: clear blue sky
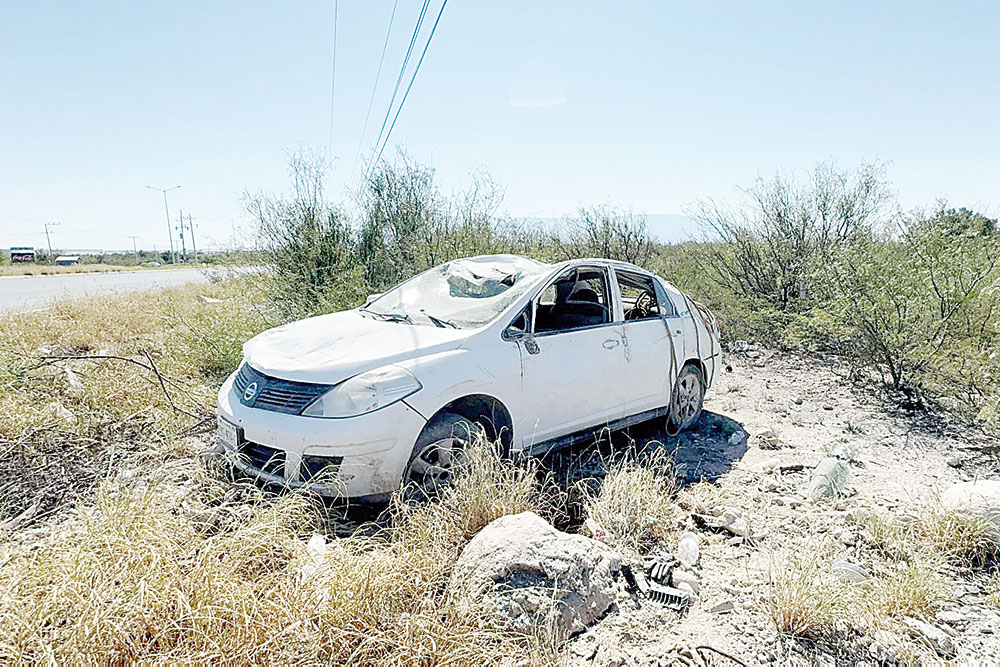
x,y
650,104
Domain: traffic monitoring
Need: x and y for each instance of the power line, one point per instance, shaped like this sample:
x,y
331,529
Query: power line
x,y
378,73
412,79
402,74
333,78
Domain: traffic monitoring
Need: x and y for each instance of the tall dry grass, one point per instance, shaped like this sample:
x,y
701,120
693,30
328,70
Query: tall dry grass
x,y
635,505
86,385
174,566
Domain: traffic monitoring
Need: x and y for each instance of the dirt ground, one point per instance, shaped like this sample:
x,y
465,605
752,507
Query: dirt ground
x,y
769,420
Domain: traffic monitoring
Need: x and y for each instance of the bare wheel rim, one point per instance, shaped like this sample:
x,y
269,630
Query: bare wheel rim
x,y
435,466
688,399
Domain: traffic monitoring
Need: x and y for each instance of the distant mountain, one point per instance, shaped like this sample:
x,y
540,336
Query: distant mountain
x,y
672,227
664,227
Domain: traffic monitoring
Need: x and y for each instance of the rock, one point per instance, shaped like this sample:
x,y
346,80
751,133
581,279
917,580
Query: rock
x,y
935,637
791,501
955,463
847,538
687,548
534,576
687,588
828,407
981,497
730,521
767,465
723,607
829,478
678,577
951,617
767,439
737,438
850,572
798,400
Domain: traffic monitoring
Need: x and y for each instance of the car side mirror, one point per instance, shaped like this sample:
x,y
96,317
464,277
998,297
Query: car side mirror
x,y
372,297
518,329
514,332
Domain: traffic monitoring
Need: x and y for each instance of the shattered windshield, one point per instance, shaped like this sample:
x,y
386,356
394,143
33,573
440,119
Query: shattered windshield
x,y
459,294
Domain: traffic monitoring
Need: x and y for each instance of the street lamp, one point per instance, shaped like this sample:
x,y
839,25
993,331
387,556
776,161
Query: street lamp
x,y
170,235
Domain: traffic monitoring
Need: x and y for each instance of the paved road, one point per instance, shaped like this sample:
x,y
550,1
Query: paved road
x,y
34,292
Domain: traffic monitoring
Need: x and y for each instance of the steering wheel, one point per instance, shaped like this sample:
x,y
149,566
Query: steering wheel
x,y
642,308
645,302
571,302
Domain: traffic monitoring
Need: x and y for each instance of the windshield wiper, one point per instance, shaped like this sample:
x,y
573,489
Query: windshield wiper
x,y
437,321
389,317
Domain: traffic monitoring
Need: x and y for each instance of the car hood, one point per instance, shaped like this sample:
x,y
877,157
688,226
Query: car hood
x,y
331,348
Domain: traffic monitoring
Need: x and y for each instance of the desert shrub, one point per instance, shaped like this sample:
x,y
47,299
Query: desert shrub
x,y
773,241
306,242
606,231
955,536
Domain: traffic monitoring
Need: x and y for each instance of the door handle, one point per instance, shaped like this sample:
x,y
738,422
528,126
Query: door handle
x,y
611,343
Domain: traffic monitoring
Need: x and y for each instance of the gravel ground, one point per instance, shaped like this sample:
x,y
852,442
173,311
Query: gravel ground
x,y
768,422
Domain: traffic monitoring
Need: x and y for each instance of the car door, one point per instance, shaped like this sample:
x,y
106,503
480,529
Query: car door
x,y
573,360
680,325
648,344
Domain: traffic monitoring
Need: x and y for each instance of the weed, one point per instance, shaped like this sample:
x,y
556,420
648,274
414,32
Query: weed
x,y
635,505
909,589
804,601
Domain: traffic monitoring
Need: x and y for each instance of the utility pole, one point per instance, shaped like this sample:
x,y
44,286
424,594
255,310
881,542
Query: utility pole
x,y
173,256
181,231
48,240
194,248
135,251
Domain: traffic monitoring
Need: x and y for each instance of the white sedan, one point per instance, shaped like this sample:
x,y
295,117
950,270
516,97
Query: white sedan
x,y
358,403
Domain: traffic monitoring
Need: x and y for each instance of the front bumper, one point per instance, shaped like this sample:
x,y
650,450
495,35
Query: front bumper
x,y
374,448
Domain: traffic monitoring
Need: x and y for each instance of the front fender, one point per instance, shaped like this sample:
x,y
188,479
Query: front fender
x,y
446,376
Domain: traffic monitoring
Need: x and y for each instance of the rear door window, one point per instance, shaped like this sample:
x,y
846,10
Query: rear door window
x,y
639,298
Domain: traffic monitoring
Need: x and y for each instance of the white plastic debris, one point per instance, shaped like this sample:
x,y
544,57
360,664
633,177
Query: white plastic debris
x,y
830,478
688,548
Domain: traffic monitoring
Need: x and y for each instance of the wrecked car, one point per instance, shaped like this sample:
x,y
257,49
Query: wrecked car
x,y
534,356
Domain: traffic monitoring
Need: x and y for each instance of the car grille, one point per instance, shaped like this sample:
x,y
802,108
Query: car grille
x,y
319,467
274,394
263,458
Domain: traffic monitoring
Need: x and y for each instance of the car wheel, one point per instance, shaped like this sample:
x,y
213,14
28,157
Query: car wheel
x,y
687,400
440,454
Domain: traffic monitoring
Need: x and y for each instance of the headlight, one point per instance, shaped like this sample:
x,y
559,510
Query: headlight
x,y
364,393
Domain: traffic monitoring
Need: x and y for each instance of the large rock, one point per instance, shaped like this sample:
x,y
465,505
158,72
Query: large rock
x,y
536,578
981,497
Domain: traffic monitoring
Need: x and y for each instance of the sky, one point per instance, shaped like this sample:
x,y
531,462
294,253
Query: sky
x,y
650,105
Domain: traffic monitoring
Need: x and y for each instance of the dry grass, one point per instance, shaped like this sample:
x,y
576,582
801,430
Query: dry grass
x,y
80,384
909,589
174,567
635,506
994,591
51,269
805,600
959,537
